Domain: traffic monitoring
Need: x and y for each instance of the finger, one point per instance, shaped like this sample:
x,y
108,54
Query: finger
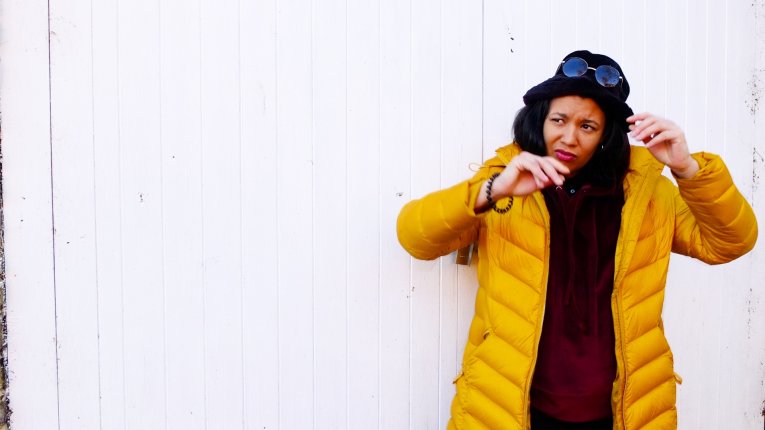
x,y
559,166
666,136
539,175
638,117
649,132
642,125
544,170
653,141
552,172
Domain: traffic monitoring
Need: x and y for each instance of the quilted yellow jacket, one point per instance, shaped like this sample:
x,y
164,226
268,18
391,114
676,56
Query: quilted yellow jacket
x,y
706,218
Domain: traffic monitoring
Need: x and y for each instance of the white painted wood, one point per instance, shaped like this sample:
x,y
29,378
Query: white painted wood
x,y
656,49
183,247
27,214
74,214
426,172
331,214
224,180
461,130
501,76
612,17
142,236
564,31
295,188
260,214
221,213
107,170
363,170
712,36
742,401
407,391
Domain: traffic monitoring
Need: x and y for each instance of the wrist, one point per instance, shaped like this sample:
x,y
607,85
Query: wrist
x,y
498,188
687,171
491,197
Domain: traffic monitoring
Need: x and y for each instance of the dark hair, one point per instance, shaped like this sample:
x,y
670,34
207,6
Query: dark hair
x,y
606,167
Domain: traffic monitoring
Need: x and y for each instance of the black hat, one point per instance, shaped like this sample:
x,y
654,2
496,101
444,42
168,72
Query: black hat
x,y
613,100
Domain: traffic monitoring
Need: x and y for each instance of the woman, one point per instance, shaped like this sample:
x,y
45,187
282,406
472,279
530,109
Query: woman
x,y
574,229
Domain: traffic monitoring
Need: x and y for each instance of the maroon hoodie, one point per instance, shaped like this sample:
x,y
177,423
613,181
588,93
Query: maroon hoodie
x,y
576,365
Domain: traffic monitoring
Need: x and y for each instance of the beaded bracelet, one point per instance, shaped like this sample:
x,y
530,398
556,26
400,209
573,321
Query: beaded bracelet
x,y
492,203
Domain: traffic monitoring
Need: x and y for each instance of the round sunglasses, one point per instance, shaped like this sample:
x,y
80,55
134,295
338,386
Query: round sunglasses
x,y
606,76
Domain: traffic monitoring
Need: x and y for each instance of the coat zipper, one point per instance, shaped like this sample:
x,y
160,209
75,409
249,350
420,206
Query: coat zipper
x,y
538,335
623,358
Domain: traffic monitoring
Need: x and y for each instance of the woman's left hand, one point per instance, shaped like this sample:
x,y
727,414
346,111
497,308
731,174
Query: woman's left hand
x,y
666,142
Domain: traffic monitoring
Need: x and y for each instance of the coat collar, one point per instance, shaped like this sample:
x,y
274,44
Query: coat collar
x,y
643,170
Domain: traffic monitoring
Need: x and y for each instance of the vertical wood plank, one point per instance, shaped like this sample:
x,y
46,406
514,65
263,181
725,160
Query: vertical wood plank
x,y
733,121
677,303
141,211
461,137
633,55
564,31
752,397
74,214
587,18
510,35
330,206
399,384
741,398
611,20
108,205
180,83
656,54
502,75
676,62
30,290
713,294
537,54
221,213
426,155
537,62
295,202
694,325
260,245
363,170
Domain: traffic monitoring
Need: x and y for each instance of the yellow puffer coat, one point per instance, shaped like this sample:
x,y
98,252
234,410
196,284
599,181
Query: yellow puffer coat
x,y
707,218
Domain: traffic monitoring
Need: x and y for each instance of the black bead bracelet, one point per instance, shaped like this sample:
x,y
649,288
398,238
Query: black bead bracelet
x,y
492,203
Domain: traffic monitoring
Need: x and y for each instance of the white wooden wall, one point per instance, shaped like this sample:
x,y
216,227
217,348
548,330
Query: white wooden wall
x,y
200,200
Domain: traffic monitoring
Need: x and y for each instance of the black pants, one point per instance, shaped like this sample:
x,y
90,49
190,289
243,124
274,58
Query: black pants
x,y
541,421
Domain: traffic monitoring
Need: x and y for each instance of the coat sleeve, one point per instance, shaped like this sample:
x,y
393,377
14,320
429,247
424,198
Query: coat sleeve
x,y
714,223
443,221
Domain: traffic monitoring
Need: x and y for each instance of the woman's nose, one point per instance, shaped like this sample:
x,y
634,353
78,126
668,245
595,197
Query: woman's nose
x,y
569,136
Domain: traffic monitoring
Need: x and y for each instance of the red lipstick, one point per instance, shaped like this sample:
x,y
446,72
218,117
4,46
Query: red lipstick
x,y
564,156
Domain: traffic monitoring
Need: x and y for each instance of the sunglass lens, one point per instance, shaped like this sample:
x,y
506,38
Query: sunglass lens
x,y
574,67
607,76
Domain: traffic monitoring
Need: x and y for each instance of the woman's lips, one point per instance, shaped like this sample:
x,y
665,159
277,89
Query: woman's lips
x,y
564,156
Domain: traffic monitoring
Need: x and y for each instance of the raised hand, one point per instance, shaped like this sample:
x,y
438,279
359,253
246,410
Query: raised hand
x,y
525,174
666,142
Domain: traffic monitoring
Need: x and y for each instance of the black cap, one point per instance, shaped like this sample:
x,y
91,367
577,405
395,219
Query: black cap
x,y
612,100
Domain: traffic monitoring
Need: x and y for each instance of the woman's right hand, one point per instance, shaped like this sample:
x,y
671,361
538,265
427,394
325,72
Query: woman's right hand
x,y
525,174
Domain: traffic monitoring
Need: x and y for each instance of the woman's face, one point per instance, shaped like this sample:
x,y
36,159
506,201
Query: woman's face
x,y
573,130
